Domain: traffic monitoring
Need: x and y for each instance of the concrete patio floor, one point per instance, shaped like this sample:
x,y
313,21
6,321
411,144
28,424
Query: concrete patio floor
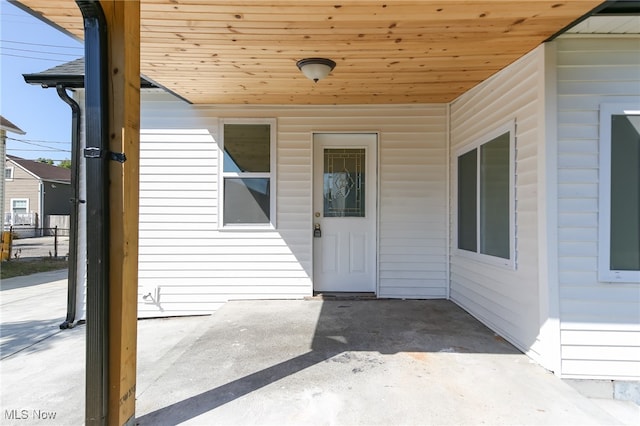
x,y
383,362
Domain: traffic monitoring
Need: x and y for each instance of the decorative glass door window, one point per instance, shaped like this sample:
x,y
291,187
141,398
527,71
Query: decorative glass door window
x,y
344,182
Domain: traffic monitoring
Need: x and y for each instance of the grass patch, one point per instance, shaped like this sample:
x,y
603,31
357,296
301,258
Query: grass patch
x,y
18,268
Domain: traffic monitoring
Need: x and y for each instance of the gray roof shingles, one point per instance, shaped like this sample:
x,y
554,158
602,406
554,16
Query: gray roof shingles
x,y
70,73
42,170
75,67
9,126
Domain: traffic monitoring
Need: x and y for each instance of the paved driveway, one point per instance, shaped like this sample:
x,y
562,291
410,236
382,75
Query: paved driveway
x,y
291,362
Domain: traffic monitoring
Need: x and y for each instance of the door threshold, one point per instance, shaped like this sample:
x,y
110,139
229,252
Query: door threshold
x,y
341,295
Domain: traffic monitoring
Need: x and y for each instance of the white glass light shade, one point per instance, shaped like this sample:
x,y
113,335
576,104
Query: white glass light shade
x,y
316,68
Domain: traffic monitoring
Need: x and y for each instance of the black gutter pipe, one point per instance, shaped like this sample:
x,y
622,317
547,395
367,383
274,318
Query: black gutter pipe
x,y
97,131
73,81
61,86
75,200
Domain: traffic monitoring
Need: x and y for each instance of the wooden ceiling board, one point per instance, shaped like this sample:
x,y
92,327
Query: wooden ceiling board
x,y
245,52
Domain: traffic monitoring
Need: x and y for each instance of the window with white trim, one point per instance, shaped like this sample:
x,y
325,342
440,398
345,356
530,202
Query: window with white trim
x,y
8,173
20,214
485,196
619,194
248,174
19,205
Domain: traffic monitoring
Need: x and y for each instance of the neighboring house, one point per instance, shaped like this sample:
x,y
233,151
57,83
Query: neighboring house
x,y
5,126
34,191
518,201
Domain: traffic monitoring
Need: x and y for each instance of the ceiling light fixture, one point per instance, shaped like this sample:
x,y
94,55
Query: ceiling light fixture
x,y
316,68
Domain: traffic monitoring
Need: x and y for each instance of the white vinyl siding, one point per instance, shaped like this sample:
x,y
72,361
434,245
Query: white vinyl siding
x,y
412,251
188,265
600,321
506,299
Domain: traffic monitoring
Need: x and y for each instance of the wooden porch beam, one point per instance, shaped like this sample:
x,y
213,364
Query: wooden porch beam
x,y
123,23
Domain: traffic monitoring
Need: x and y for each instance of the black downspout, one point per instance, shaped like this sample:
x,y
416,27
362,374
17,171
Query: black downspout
x,y
75,200
96,127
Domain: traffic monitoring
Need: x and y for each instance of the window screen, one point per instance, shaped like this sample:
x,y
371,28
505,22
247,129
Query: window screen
x,y
625,193
467,200
484,198
494,197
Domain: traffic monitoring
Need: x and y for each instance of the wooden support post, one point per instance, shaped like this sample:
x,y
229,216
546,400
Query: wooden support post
x,y
123,23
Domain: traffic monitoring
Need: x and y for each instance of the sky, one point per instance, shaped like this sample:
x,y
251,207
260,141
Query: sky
x,y
28,45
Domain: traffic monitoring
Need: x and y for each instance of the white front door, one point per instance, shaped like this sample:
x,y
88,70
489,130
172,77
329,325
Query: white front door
x,y
344,209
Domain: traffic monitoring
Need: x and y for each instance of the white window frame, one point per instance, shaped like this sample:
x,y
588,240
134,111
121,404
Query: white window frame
x,y
508,127
13,200
11,208
605,273
12,171
271,175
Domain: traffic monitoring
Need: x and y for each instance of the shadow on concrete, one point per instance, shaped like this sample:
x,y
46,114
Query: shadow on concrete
x,y
342,327
214,398
20,336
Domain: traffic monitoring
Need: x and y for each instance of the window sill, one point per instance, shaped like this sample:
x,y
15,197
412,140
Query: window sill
x,y
499,262
619,277
248,228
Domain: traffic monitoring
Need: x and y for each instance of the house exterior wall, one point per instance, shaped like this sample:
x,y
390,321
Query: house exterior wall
x,y
507,299
188,265
3,153
23,185
600,322
57,198
551,306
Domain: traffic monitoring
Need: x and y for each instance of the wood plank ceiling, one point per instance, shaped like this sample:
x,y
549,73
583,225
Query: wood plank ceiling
x,y
387,52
